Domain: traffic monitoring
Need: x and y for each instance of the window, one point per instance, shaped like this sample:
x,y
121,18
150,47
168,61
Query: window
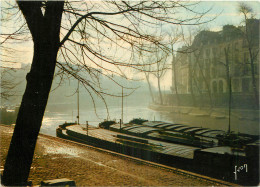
x,y
244,43
246,69
213,51
236,46
245,85
213,72
207,52
214,87
246,60
256,69
220,86
235,85
207,71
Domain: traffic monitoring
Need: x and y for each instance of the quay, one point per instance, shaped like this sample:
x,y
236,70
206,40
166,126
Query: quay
x,y
89,166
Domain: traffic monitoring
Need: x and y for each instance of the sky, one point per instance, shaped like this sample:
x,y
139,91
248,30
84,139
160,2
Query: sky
x,y
226,12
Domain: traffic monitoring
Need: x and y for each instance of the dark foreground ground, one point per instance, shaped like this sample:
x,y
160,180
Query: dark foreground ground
x,y
57,158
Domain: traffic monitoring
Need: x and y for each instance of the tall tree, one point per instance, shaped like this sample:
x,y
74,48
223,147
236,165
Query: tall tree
x,y
45,31
147,70
161,68
227,67
251,37
174,37
8,83
92,34
201,69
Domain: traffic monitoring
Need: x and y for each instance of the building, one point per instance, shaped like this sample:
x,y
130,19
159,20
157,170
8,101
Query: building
x,y
217,62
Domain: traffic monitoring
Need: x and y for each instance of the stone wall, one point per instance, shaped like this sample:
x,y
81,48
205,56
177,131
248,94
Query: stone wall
x,y
239,101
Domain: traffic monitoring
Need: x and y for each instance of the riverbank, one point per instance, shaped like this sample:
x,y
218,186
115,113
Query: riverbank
x,y
240,121
57,158
218,113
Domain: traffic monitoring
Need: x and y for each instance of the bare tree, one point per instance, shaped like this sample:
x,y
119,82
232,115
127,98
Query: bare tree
x,y
174,37
143,59
154,63
160,59
8,80
7,84
250,33
201,69
94,36
184,55
147,77
45,31
191,70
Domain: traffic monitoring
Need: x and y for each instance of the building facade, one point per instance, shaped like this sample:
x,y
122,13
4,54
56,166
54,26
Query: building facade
x,y
218,66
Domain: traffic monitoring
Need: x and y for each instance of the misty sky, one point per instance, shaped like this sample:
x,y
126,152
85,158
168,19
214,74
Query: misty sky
x,y
227,12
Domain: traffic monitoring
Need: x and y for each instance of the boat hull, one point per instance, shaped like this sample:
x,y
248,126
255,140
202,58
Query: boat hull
x,y
218,162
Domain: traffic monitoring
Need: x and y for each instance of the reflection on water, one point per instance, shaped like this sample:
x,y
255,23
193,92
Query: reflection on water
x,y
236,124
53,119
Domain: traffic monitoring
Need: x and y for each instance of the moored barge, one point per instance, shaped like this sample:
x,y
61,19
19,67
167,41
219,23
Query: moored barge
x,y
152,150
179,133
215,160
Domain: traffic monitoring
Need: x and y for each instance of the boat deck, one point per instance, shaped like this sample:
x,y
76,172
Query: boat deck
x,y
153,145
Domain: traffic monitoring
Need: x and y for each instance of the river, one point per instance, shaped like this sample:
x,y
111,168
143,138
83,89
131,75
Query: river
x,y
53,119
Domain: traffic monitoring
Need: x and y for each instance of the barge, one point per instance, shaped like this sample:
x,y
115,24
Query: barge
x,y
147,141
179,133
152,150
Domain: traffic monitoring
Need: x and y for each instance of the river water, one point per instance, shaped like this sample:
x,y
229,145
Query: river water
x,y
53,119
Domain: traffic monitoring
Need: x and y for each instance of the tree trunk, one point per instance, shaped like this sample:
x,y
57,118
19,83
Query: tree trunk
x,y
160,92
206,82
255,90
150,87
191,77
250,38
200,100
228,75
175,80
45,30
